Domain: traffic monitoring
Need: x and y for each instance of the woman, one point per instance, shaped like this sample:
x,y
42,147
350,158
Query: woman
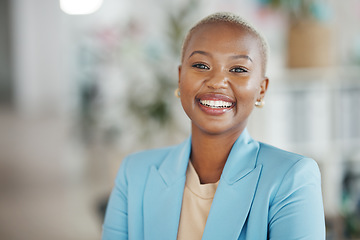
x,y
220,183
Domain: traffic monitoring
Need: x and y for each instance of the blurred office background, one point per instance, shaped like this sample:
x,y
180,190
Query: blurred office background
x,y
79,92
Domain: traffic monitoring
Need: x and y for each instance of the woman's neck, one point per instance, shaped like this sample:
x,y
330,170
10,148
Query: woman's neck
x,y
210,152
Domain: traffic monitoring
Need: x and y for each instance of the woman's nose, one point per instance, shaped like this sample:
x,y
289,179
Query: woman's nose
x,y
217,81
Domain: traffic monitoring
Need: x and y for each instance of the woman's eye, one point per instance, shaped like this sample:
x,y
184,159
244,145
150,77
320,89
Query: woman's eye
x,y
238,70
200,66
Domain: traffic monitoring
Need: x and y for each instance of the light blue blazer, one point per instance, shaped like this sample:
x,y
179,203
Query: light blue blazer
x,y
263,193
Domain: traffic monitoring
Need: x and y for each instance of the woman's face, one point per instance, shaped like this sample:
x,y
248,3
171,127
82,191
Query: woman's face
x,y
220,78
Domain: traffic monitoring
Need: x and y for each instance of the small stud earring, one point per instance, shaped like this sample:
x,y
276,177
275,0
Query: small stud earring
x,y
260,104
177,93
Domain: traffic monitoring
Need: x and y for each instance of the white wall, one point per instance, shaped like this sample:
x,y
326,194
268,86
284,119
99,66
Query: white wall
x,y
39,57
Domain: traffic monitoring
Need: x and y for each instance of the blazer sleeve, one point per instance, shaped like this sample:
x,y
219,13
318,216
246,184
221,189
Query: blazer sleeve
x,y
116,218
297,210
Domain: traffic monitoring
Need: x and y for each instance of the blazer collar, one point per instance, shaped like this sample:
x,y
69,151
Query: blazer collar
x,y
242,158
235,192
163,194
232,201
175,164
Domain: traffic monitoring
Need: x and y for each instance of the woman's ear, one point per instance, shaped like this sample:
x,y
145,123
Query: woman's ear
x,y
179,72
263,87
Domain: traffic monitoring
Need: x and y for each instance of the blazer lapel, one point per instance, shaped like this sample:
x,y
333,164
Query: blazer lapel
x,y
163,194
235,192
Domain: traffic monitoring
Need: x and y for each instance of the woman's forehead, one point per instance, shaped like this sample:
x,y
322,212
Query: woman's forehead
x,y
235,24
221,35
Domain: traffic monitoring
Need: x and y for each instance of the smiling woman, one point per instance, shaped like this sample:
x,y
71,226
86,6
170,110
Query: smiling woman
x,y
219,183
221,62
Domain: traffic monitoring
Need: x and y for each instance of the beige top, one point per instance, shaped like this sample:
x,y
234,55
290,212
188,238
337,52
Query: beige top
x,y
196,205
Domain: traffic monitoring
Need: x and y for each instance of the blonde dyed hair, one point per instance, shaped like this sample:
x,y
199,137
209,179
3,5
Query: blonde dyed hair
x,y
233,19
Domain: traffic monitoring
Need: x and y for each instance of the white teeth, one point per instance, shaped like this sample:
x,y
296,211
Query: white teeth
x,y
216,104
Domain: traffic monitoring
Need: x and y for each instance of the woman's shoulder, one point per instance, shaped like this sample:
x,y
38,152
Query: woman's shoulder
x,y
135,166
268,152
284,172
148,157
279,160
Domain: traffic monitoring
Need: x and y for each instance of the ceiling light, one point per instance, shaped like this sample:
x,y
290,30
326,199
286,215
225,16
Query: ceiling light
x,y
80,7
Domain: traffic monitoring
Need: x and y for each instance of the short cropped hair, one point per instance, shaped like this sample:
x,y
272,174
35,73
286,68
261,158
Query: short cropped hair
x,y
230,18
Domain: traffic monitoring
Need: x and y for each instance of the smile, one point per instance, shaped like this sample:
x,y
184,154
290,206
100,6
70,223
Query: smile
x,y
216,104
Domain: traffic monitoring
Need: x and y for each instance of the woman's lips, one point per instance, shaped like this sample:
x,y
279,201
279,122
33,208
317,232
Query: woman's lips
x,y
215,104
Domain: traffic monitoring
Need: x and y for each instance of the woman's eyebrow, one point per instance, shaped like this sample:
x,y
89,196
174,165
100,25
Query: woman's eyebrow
x,y
199,52
241,56
208,54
